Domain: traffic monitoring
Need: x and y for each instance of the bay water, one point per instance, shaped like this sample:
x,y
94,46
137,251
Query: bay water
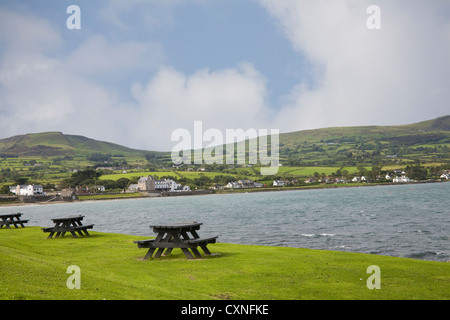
x,y
411,220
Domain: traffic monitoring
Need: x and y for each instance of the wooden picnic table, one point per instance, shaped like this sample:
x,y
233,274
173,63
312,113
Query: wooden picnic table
x,y
69,224
179,235
11,219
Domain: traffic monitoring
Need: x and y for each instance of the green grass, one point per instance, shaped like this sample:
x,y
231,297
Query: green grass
x,y
109,196
34,267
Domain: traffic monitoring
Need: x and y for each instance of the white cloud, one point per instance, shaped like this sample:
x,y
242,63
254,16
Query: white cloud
x,y
73,94
98,56
398,74
42,90
229,98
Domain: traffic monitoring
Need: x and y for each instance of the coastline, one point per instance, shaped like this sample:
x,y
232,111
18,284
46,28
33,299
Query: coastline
x,y
228,191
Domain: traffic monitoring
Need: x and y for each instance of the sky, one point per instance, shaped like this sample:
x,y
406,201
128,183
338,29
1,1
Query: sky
x,y
137,70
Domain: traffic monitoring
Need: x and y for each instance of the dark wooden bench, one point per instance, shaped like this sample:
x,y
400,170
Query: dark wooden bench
x,y
14,222
145,243
174,236
61,230
70,224
202,242
6,220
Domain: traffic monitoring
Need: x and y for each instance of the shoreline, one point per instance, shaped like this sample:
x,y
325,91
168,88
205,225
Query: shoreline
x,y
232,191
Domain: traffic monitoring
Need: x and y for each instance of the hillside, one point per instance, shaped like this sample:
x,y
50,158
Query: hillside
x,y
427,141
59,144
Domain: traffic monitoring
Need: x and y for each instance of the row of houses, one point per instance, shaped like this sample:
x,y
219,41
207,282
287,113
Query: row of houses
x,y
245,183
149,183
402,179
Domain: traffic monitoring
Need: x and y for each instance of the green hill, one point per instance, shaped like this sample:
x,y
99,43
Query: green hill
x,y
427,141
59,144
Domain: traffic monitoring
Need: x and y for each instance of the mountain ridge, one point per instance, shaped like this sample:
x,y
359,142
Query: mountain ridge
x,y
329,142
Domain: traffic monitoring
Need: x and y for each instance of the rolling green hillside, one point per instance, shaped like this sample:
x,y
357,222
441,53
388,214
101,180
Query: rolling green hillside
x,y
427,142
59,144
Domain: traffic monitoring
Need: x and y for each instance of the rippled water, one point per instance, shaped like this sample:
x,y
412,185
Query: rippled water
x,y
405,220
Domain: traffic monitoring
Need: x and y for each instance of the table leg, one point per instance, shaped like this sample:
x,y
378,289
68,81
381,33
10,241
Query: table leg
x,y
187,253
195,234
73,234
159,252
185,235
205,249
16,221
7,224
149,253
196,253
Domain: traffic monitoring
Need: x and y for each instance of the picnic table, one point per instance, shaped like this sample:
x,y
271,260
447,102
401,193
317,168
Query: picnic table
x,y
179,235
12,218
69,224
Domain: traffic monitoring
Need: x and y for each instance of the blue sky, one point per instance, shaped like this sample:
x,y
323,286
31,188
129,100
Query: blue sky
x,y
139,69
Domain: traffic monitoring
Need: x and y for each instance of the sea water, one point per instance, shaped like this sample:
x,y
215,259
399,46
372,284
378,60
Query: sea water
x,y
409,220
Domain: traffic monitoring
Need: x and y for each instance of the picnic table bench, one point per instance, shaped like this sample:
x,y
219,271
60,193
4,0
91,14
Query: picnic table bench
x,y
69,224
6,220
174,236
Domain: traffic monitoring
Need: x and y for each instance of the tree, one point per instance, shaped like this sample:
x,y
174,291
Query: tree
x,y
122,183
82,177
21,180
376,171
4,189
416,172
362,171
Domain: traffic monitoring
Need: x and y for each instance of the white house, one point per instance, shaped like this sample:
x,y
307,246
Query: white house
x,y
27,190
402,179
445,176
278,183
233,185
99,188
133,187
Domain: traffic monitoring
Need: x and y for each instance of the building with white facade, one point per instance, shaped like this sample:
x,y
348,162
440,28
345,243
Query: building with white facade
x,y
402,179
27,190
149,183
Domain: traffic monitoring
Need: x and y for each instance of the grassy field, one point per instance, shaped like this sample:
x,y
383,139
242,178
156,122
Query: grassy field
x,y
109,196
111,265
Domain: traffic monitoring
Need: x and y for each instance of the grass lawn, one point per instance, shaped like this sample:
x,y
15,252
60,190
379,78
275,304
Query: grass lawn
x,y
111,265
109,196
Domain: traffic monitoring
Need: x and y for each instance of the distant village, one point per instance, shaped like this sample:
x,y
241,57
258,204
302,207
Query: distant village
x,y
150,185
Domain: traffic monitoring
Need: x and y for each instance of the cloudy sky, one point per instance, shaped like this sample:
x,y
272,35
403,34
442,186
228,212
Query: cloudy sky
x,y
139,69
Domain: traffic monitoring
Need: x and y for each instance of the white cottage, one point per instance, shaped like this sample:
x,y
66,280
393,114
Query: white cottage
x,y
402,179
27,190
